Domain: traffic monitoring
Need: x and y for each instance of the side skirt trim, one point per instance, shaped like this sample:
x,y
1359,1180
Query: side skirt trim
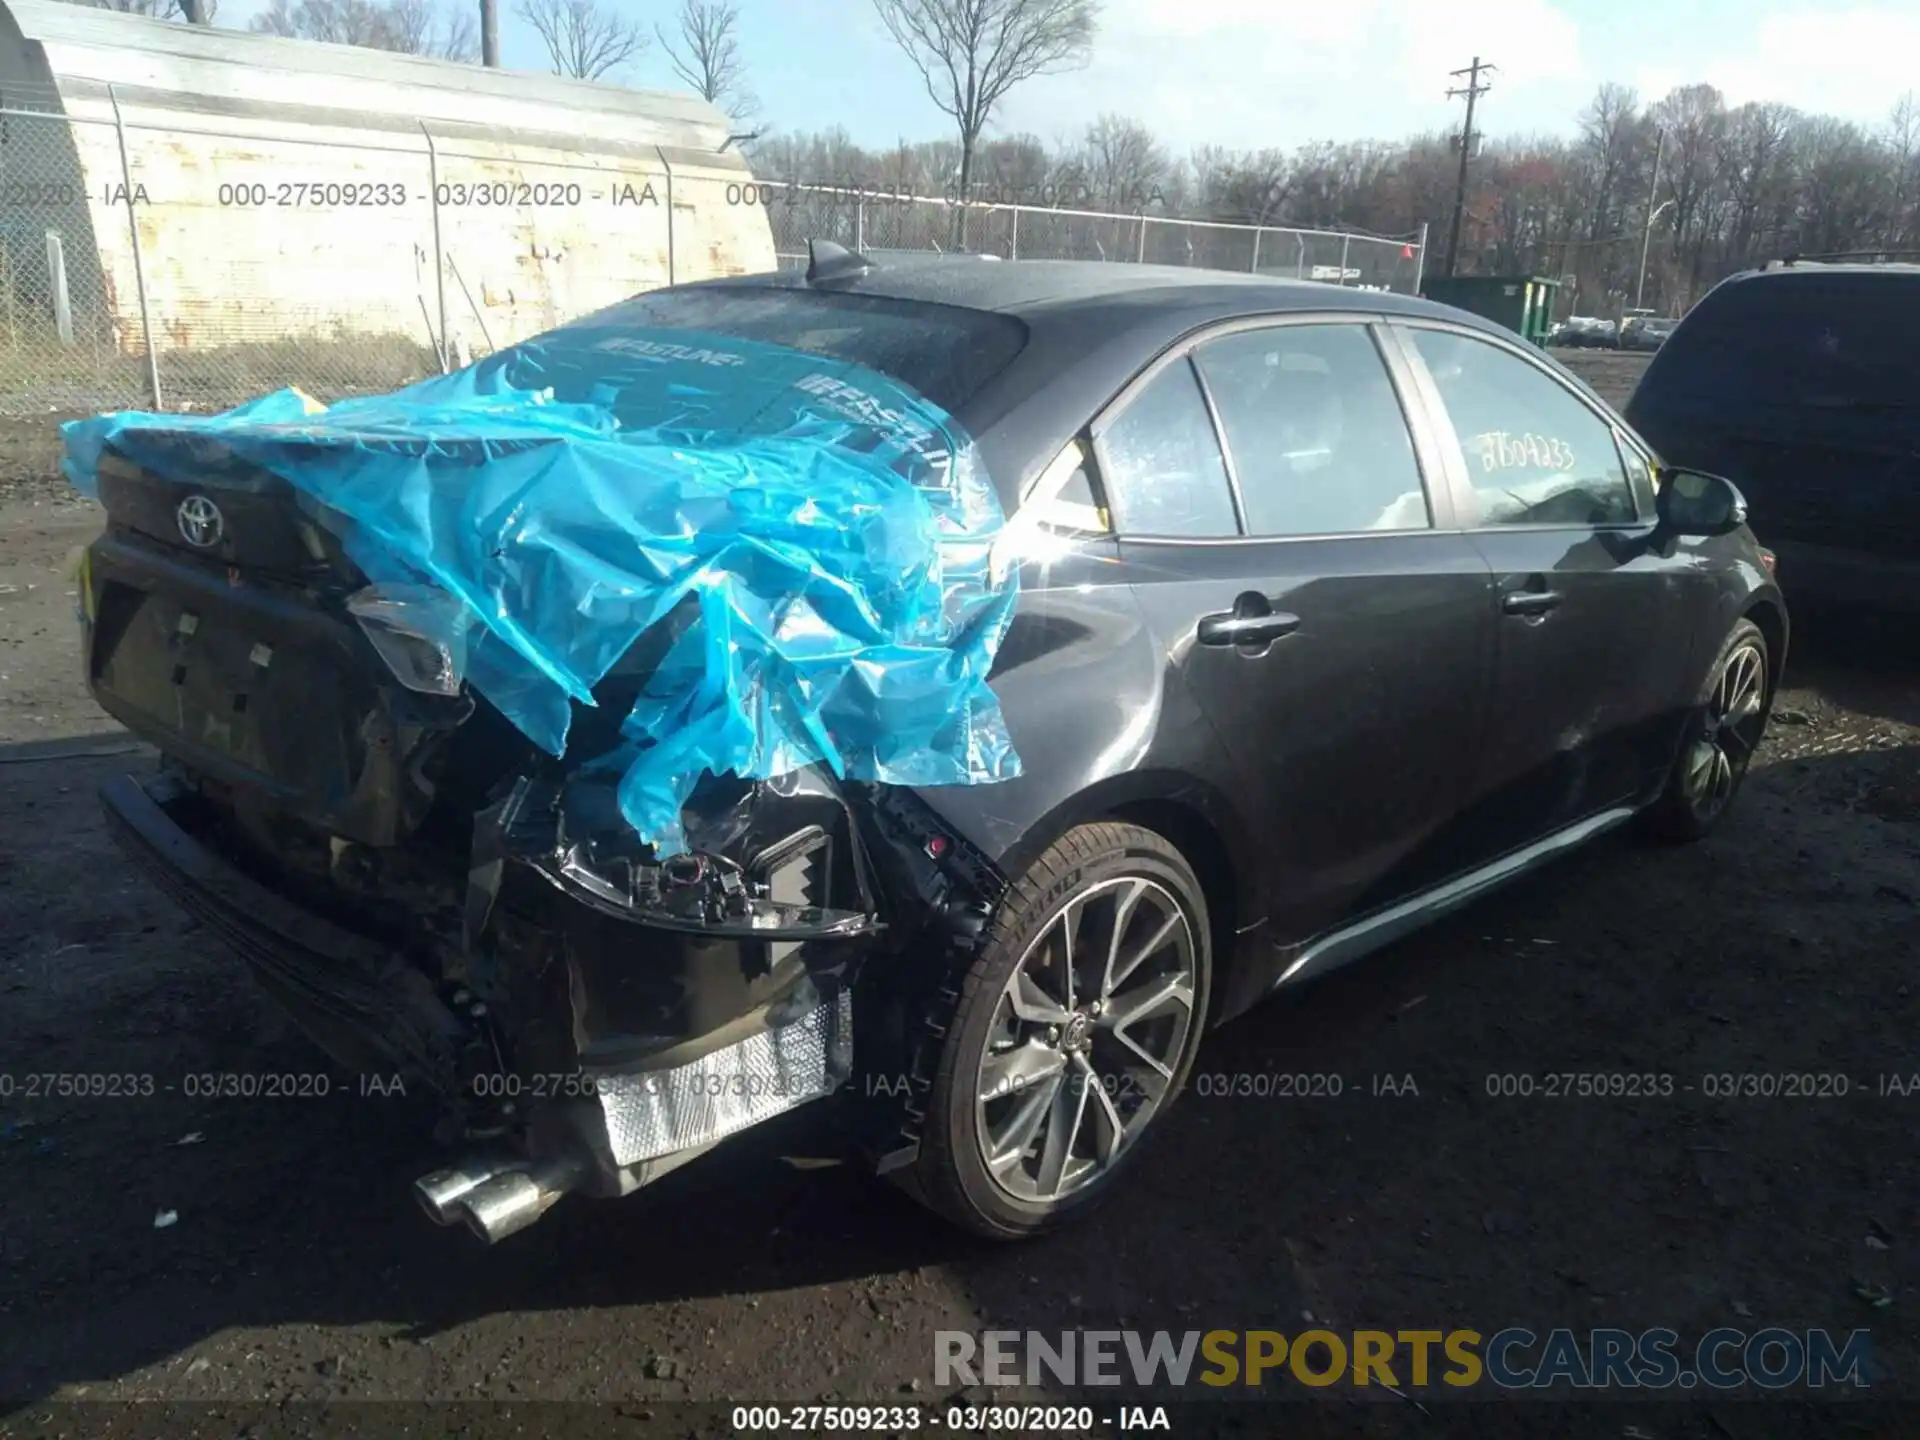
x,y
1343,946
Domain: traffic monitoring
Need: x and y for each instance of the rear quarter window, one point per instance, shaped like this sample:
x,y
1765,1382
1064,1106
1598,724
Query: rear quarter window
x,y
944,353
1161,463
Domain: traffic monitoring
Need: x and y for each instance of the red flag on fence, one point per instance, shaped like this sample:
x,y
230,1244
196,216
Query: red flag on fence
x,y
1406,252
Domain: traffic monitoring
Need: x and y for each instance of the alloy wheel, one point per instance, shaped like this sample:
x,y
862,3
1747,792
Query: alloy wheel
x,y
1735,720
1086,1039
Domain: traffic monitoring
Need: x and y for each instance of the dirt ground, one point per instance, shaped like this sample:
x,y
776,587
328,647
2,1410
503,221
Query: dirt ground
x,y
293,1264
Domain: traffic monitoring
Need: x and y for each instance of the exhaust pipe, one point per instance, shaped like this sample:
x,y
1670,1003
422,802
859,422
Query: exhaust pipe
x,y
441,1192
508,1202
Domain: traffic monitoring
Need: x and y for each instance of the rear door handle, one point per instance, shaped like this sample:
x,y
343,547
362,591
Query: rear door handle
x,y
1229,628
1530,602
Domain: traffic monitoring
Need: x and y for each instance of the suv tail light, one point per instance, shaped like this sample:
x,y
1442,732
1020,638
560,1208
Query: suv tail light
x,y
1768,559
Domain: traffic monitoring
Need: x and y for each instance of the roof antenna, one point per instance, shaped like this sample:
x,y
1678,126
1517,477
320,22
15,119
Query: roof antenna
x,y
828,261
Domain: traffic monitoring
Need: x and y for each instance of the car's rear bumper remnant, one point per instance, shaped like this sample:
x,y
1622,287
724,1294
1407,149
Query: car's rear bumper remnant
x,y
634,1101
360,1002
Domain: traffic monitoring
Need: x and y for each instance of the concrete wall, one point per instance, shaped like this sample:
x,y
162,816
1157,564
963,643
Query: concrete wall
x,y
284,189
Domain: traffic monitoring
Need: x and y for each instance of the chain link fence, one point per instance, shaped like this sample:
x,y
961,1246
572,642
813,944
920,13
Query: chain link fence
x,y
63,341
186,270
876,220
148,266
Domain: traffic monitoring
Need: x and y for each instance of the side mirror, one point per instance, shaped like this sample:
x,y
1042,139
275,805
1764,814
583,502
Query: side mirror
x,y
1693,503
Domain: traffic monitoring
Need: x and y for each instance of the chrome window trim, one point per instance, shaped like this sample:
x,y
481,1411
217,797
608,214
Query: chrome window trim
x,y
1440,502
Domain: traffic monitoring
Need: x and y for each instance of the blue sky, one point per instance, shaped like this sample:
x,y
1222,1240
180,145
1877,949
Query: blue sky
x,y
1249,73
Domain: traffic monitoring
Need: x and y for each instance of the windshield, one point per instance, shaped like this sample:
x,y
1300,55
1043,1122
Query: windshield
x,y
942,352
1811,341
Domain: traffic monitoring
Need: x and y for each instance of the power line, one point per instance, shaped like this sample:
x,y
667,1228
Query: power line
x,y
1473,90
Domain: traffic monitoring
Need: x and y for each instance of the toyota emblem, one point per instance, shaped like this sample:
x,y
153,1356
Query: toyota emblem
x,y
200,521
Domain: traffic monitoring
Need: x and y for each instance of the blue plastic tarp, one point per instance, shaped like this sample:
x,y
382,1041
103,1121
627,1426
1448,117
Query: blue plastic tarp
x,y
561,497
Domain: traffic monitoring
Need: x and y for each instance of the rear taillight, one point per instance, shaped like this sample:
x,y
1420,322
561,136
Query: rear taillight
x,y
1768,559
421,633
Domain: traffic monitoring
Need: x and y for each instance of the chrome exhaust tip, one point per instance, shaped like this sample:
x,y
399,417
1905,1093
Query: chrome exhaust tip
x,y
441,1192
508,1202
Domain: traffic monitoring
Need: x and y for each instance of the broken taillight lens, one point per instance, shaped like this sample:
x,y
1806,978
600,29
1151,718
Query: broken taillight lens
x,y
420,633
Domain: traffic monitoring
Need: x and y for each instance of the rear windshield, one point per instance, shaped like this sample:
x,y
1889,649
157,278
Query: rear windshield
x,y
942,352
1809,341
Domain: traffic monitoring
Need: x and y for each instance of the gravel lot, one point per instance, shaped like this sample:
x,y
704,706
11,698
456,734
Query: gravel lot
x,y
297,1267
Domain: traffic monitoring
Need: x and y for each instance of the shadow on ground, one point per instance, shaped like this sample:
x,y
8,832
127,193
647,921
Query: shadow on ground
x,y
297,1265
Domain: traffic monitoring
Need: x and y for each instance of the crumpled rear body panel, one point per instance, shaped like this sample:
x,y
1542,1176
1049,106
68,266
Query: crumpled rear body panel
x,y
833,530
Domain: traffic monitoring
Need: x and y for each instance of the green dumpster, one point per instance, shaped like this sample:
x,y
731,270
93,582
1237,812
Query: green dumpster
x,y
1522,303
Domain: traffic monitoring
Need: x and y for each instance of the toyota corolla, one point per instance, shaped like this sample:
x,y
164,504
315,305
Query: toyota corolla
x,y
1300,616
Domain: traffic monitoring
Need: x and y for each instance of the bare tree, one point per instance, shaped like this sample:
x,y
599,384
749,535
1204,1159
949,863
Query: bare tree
x,y
338,22
1694,118
1206,164
1842,190
426,27
583,41
1608,130
1754,165
1745,185
706,54
1903,147
1254,188
1125,165
971,53
407,27
1017,166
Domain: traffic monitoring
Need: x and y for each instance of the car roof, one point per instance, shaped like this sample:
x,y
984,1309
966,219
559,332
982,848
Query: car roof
x,y
1091,326
1891,269
1034,287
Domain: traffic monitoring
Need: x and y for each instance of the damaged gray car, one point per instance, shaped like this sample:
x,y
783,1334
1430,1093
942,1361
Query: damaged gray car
x,y
1279,692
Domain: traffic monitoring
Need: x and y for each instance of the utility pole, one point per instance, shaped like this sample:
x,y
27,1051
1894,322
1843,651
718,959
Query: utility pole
x,y
1473,90
490,34
1646,239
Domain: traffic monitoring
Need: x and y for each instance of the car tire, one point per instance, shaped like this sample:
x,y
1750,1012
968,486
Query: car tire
x,y
1717,747
1089,1089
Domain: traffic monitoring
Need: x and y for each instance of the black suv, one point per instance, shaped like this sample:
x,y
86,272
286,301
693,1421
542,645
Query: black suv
x,y
1800,382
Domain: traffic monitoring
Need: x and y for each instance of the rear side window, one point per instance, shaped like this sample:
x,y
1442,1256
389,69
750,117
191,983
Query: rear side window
x,y
1319,443
1161,464
1804,340
942,352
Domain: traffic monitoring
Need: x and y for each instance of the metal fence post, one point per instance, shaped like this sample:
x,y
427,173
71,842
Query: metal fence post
x,y
860,224
57,276
1420,259
139,270
1300,265
1013,239
440,344
1346,243
667,165
1255,267
1141,258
